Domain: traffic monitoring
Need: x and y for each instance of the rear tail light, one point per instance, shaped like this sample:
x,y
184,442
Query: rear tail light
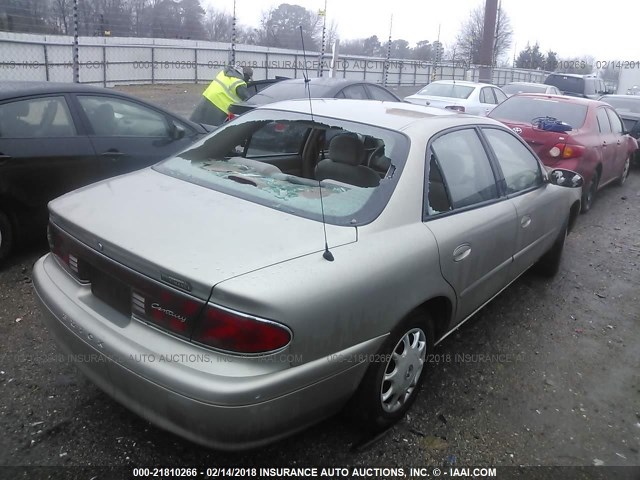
x,y
230,116
233,332
563,151
456,108
66,254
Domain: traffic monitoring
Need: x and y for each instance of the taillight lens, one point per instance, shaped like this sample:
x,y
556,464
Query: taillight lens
x,y
563,151
237,333
230,116
65,253
456,108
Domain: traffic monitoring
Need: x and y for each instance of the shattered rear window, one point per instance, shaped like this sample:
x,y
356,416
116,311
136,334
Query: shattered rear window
x,y
285,160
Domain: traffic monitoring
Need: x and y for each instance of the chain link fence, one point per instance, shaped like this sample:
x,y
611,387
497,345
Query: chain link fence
x,y
117,61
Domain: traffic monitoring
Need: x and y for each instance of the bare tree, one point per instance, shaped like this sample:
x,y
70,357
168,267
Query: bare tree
x,y
470,36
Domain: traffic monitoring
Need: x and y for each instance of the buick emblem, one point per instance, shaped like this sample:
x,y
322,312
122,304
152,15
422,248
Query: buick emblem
x,y
518,130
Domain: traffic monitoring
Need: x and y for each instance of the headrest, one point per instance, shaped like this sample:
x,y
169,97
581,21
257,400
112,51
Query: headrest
x,y
346,149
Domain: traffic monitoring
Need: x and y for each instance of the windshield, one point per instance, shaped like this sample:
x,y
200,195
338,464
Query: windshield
x,y
623,104
450,90
276,159
287,90
526,109
514,88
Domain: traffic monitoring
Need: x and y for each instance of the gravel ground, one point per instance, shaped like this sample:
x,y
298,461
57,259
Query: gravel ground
x,y
547,374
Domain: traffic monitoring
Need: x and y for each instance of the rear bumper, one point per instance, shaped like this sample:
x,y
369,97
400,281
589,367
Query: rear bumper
x,y
230,407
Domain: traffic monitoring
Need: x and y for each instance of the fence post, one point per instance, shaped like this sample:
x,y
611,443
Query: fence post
x,y
295,65
46,62
364,71
104,65
195,59
153,65
76,66
266,64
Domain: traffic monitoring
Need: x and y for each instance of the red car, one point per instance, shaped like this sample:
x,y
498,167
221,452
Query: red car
x,y
578,134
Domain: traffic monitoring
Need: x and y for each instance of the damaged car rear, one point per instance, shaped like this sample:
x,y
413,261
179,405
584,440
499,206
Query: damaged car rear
x,y
305,254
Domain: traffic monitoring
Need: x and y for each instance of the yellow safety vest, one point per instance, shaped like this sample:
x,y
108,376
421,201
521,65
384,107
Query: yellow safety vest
x,y
222,91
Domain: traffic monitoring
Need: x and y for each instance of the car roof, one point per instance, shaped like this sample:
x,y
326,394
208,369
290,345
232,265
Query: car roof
x,y
326,81
633,98
575,75
564,98
11,89
393,115
465,82
530,83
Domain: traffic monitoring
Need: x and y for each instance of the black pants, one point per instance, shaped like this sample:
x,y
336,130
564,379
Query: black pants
x,y
207,113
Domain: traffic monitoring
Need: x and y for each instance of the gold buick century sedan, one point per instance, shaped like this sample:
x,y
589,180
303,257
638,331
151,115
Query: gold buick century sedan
x,y
302,258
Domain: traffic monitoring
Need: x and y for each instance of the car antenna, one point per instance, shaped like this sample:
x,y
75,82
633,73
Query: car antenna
x,y
327,255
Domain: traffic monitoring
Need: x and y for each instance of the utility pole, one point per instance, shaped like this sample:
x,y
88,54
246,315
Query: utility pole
x,y
488,39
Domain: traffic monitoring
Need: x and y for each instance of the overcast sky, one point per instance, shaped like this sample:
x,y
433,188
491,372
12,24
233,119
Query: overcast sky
x,y
605,31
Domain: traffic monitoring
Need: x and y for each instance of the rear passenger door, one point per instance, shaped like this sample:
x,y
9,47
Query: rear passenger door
x,y
127,135
474,226
608,145
539,220
42,153
487,100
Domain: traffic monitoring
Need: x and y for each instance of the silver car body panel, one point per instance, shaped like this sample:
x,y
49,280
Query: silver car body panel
x,y
128,216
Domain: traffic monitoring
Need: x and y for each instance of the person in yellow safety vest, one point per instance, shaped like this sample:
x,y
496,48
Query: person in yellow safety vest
x,y
229,86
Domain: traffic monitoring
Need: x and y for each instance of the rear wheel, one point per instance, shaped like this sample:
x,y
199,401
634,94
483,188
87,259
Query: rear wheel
x,y
6,236
589,194
625,172
393,381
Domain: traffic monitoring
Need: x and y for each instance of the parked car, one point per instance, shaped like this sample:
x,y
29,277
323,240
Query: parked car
x,y
255,86
55,137
468,97
585,86
514,88
248,323
578,134
320,87
628,107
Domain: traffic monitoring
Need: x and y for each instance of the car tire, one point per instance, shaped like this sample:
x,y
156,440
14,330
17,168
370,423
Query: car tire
x,y
589,194
625,172
549,264
402,360
6,236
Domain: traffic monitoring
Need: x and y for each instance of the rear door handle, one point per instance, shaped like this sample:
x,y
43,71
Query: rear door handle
x,y
525,221
461,252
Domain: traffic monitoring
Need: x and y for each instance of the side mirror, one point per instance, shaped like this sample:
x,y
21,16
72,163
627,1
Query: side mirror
x,y
565,178
176,132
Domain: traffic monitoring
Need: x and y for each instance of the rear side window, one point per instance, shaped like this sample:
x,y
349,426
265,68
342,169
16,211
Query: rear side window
x,y
378,93
486,96
526,109
520,168
616,123
500,96
355,92
36,118
466,168
603,121
116,117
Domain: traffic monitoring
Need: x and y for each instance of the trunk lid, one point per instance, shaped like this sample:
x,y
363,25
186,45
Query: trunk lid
x,y
174,231
541,141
